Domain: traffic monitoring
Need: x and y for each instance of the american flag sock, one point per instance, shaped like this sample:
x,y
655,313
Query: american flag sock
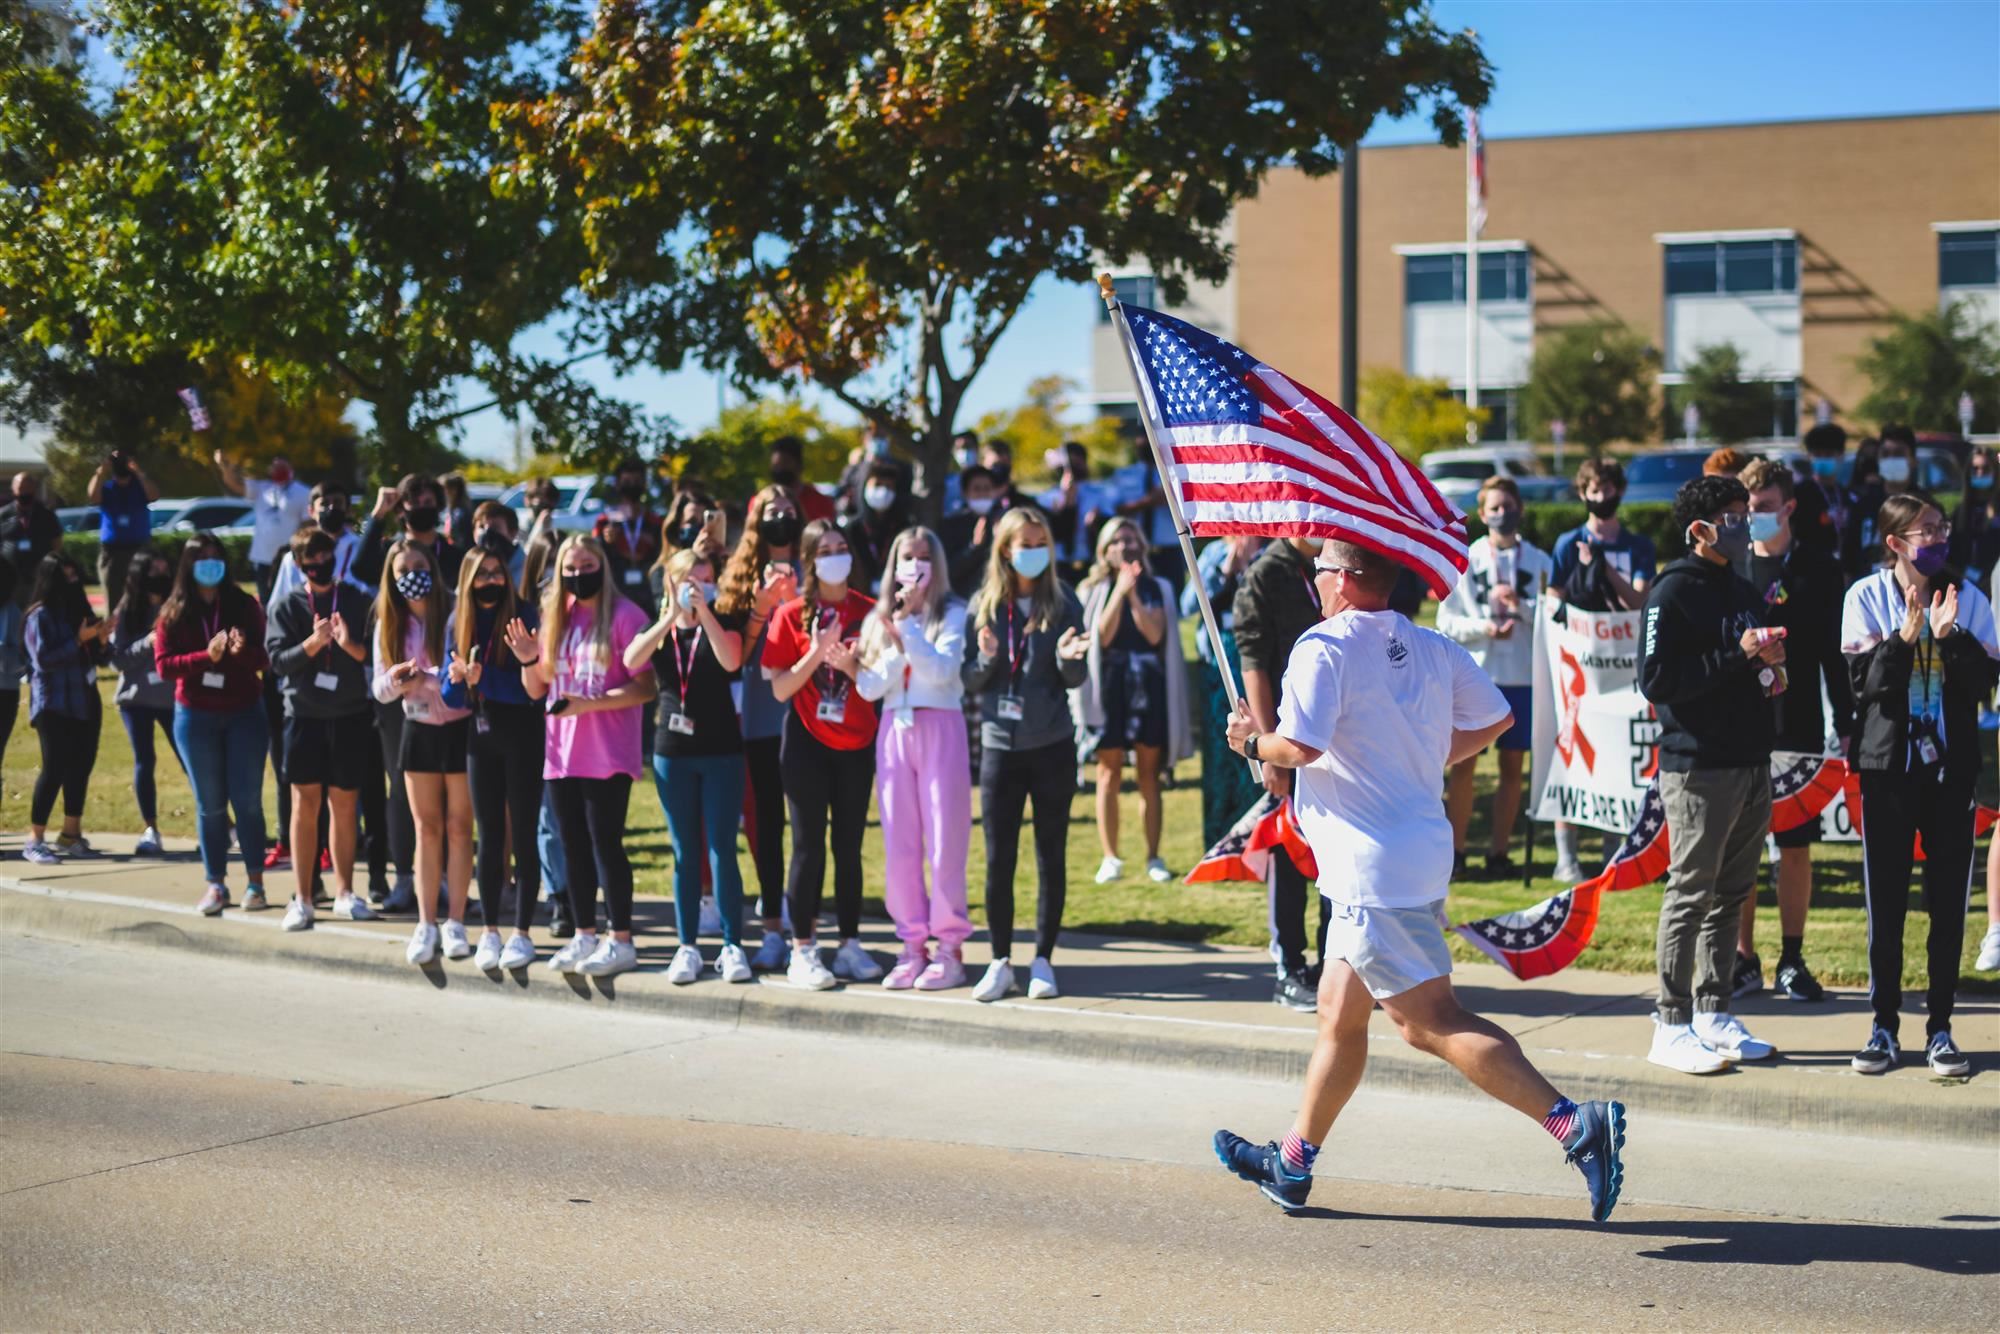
x,y
1298,1154
1561,1120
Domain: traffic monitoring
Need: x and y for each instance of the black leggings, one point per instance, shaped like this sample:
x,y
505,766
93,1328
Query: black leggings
x,y
822,786
69,753
1289,888
396,818
767,791
10,707
1895,808
1007,779
590,816
504,768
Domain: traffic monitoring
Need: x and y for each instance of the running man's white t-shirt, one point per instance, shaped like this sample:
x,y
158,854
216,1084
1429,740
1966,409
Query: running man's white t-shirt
x,y
1381,698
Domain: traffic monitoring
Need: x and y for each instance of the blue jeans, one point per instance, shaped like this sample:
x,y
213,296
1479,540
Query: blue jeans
x,y
139,724
555,870
224,755
702,796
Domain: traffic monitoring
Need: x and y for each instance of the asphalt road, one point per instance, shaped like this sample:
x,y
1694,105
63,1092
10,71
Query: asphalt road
x,y
187,1143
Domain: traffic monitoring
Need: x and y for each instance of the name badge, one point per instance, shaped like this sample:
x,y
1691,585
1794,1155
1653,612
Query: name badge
x,y
833,710
635,576
24,544
213,680
481,724
420,709
326,681
122,520
905,716
155,679
1927,751
682,725
736,696
1010,709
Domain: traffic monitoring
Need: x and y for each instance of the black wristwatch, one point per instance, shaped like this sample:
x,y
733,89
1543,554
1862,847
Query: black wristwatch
x,y
1250,746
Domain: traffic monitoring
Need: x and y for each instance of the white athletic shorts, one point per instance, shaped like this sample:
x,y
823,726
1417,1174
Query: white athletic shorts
x,y
1390,949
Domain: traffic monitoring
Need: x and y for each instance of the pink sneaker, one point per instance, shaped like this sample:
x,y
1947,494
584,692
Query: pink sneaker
x,y
946,971
914,959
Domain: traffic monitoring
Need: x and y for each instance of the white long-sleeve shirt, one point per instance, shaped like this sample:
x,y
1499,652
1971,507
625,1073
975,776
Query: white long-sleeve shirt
x,y
925,673
1466,614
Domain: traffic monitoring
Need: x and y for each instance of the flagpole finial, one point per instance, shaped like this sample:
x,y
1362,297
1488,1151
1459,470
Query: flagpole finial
x,y
1104,288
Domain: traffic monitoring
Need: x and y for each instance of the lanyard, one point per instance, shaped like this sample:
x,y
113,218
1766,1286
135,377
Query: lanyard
x,y
213,627
633,527
827,678
1017,650
684,669
1926,661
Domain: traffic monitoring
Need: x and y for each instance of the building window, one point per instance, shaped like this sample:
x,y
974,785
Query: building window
x,y
1969,259
1503,276
1137,290
1733,267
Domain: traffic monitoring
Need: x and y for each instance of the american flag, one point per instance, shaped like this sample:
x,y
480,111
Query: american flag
x,y
1475,173
1253,451
197,414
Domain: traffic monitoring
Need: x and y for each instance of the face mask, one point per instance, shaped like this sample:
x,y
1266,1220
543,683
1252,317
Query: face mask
x,y
162,584
424,520
910,573
778,530
786,477
1827,469
982,506
1763,527
1029,562
496,542
1982,481
686,535
319,574
1001,472
878,498
333,521
1928,560
1895,470
1602,509
1732,541
208,573
878,448
966,458
414,585
584,585
1506,523
281,473
632,490
489,595
691,592
121,469
24,503
834,569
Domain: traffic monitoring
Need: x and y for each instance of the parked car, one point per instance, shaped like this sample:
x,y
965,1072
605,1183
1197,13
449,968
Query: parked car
x,y
1457,473
1656,475
78,518
215,514
579,500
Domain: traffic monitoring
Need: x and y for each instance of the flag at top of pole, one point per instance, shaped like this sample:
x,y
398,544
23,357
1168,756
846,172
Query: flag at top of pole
x,y
1244,448
1475,173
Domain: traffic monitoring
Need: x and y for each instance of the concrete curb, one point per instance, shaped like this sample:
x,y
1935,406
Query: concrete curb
x,y
1911,1106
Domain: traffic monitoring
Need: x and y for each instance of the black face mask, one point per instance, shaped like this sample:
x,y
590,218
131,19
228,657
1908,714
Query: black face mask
x,y
319,573
1602,509
685,535
162,584
333,521
785,476
499,544
489,596
121,469
778,530
632,490
586,585
423,520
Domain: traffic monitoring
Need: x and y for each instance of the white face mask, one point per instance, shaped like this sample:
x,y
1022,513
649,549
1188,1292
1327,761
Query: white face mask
x,y
834,569
879,498
982,506
911,572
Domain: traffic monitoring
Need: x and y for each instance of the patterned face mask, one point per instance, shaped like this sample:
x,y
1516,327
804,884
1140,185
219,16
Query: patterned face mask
x,y
414,585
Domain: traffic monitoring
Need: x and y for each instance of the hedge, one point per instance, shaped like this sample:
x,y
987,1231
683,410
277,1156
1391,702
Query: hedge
x,y
1543,523
83,546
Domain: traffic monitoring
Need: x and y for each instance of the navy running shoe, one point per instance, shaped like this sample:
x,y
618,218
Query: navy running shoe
x,y
1593,1147
1261,1165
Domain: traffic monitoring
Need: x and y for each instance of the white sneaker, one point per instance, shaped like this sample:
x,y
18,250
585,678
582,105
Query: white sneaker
x,y
299,916
773,954
423,944
1109,869
999,980
1570,873
1042,980
351,908
518,952
851,962
456,946
733,964
1989,951
149,844
1676,1047
487,957
1725,1034
1157,872
711,916
611,957
569,959
686,966
805,969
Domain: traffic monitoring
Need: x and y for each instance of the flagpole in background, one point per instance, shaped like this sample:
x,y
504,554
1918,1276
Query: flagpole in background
x,y
1173,491
1475,222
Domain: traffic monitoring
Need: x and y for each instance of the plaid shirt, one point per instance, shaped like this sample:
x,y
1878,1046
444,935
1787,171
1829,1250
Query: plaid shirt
x,y
60,676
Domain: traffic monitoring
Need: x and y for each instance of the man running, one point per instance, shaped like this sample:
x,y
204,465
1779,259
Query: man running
x,y
1375,709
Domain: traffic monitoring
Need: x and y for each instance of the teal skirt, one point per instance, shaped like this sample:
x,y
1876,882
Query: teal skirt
x,y
1227,789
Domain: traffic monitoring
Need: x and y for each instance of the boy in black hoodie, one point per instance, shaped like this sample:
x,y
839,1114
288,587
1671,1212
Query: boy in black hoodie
x,y
1709,668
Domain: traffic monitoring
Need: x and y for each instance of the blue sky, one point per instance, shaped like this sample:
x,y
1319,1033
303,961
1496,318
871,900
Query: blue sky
x,y
1561,67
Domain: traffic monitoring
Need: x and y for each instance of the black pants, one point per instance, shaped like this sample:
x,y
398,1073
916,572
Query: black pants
x,y
274,718
767,791
69,753
1895,808
590,816
371,846
10,708
823,787
397,820
1289,888
112,563
503,766
1007,779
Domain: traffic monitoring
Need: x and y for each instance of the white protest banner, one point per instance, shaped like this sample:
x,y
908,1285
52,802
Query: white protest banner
x,y
1594,732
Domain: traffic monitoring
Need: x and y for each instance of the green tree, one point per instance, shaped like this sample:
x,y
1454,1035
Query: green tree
x,y
1415,414
1043,422
1597,379
860,195
1732,409
306,190
733,458
1917,370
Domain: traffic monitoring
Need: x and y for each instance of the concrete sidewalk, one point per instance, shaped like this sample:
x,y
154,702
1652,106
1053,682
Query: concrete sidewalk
x,y
1134,1001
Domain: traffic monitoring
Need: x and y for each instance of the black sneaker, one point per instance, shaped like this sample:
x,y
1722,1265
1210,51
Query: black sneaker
x,y
1263,1167
1944,1056
1294,992
1879,1055
1749,975
560,925
1796,982
1499,866
1459,870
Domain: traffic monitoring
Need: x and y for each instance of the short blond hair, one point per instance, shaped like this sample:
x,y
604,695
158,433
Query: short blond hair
x,y
1763,474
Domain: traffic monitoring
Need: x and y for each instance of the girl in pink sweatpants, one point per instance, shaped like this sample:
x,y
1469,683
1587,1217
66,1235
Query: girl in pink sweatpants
x,y
912,646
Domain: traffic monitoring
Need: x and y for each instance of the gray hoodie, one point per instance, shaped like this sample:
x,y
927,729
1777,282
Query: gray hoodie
x,y
1042,684
140,685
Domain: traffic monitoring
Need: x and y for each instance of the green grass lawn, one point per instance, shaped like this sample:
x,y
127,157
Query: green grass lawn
x,y
1836,934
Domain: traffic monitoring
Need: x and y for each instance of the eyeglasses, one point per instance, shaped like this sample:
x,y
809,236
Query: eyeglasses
x,y
1930,532
1334,569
